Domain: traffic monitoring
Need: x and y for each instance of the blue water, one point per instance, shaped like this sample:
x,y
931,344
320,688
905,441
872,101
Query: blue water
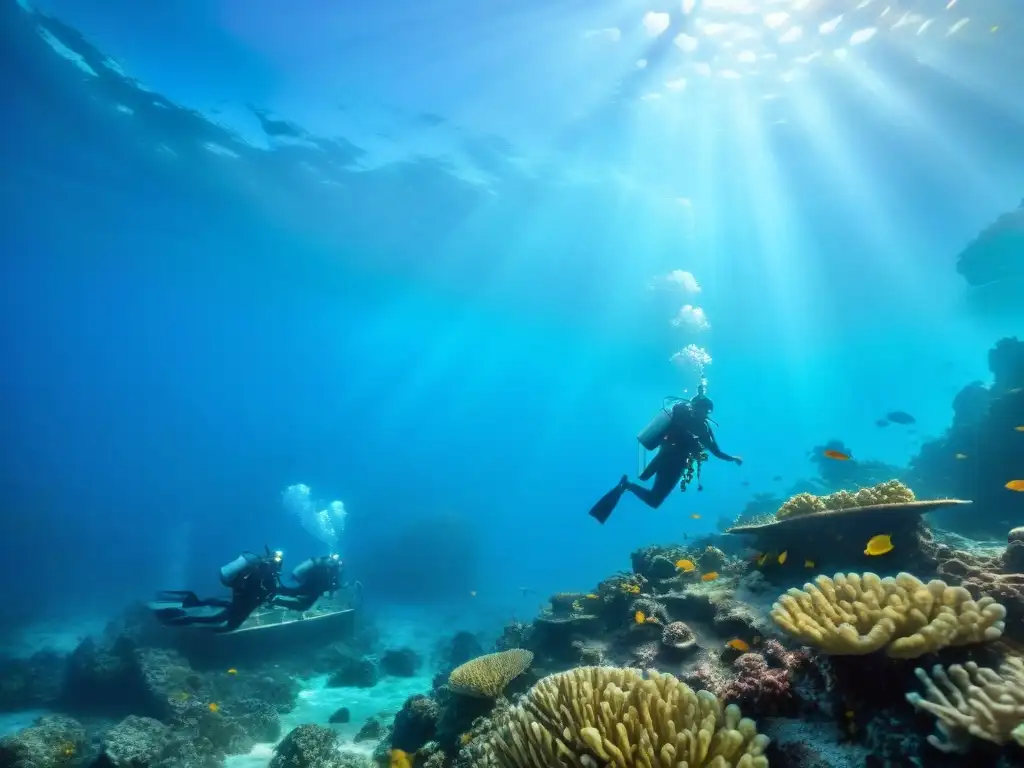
x,y
402,253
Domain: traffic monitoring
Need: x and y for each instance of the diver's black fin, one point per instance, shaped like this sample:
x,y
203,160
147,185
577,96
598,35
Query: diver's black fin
x,y
604,508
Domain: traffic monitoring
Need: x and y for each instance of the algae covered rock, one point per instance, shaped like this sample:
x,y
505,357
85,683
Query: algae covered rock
x,y
308,746
53,740
135,742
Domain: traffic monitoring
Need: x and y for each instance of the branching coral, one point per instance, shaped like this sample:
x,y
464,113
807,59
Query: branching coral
x,y
616,717
891,492
854,614
764,682
977,702
487,676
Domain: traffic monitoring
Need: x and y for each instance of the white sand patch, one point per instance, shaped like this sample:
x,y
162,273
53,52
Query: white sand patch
x,y
12,722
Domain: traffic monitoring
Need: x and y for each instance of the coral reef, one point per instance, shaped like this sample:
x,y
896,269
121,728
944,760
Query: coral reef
x,y
54,740
857,614
997,253
619,717
889,492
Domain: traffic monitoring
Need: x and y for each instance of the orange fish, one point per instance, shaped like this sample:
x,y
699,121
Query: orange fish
x,y
1015,485
837,455
214,707
710,576
738,645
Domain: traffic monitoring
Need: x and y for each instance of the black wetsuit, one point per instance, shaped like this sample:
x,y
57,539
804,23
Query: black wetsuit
x,y
687,435
324,576
253,589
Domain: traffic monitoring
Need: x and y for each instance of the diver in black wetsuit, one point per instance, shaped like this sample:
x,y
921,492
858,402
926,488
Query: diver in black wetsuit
x,y
253,580
314,578
686,436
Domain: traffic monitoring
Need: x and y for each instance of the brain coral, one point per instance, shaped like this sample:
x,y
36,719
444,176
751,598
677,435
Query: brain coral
x,y
487,676
853,614
615,716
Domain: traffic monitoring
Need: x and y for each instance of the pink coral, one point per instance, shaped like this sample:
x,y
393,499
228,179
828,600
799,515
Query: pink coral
x,y
759,688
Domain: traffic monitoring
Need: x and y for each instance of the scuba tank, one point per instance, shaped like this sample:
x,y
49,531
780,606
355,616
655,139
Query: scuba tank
x,y
238,568
650,437
301,572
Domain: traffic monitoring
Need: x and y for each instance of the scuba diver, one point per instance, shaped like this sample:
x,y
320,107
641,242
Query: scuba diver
x,y
681,435
253,580
313,577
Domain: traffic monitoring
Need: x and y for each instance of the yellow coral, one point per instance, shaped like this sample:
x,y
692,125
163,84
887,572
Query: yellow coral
x,y
980,702
487,676
853,614
889,492
624,720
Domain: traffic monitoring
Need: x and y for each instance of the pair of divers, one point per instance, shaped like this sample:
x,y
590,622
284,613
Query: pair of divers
x,y
682,435
255,582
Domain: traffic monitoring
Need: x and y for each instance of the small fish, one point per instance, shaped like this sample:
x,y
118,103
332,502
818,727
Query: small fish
x,y
762,559
850,714
695,516
685,565
181,696
745,483
399,759
757,639
879,545
232,671
651,620
960,456
777,478
709,576
837,455
1020,428
808,563
639,617
1015,485
782,557
738,645
881,423
994,28
1015,391
591,596
472,593
900,417
214,706
465,738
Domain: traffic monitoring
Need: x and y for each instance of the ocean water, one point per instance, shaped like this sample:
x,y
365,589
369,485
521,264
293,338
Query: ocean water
x,y
441,262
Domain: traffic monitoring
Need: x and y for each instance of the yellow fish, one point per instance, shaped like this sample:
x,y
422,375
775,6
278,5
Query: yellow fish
x,y
1020,428
465,738
710,576
782,558
685,565
762,559
1015,485
738,645
808,563
879,545
639,617
591,596
214,706
400,759
232,671
961,456
695,516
